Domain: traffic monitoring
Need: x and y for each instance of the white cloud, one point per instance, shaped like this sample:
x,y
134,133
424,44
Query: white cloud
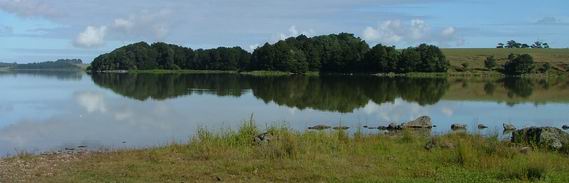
x,y
293,32
92,102
27,8
123,24
153,25
91,37
415,31
253,47
387,32
449,31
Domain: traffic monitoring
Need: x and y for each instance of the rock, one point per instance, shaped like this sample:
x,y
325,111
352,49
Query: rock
x,y
319,127
457,126
565,127
508,127
447,145
550,137
434,126
525,150
341,128
383,128
82,146
430,145
481,126
263,138
421,122
433,143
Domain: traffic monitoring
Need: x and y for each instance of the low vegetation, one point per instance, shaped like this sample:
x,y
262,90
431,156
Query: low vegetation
x,y
286,155
61,64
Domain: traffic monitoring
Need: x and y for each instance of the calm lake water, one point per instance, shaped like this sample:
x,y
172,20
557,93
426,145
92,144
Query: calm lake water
x,y
47,111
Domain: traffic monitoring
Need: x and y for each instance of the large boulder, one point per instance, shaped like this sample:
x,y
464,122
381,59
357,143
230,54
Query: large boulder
x,y
508,127
550,137
421,122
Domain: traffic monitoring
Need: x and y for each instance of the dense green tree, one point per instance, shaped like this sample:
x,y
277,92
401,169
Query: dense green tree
x,y
513,44
334,53
520,64
500,45
381,59
409,61
168,56
545,68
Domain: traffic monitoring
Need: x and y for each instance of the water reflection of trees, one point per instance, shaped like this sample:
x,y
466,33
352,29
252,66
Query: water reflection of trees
x,y
330,93
164,86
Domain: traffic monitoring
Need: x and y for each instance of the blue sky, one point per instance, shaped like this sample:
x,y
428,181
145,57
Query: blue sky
x,y
39,30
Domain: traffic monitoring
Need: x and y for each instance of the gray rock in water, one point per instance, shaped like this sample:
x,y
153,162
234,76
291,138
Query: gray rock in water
x,y
481,126
508,127
457,126
319,127
341,128
421,122
550,137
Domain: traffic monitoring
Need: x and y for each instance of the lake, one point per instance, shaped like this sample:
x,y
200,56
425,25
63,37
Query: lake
x,y
48,111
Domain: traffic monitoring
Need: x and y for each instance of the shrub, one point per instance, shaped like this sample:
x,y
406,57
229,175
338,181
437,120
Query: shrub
x,y
518,65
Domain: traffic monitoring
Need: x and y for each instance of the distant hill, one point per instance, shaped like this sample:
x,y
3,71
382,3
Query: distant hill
x,y
61,64
557,57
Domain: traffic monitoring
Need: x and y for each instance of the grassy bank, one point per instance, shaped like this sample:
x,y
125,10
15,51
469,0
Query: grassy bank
x,y
291,156
475,57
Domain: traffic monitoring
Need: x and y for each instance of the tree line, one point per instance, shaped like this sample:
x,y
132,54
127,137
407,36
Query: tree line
x,y
514,44
60,64
142,56
338,53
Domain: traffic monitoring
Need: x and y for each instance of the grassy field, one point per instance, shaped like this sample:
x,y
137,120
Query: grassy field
x,y
291,156
558,58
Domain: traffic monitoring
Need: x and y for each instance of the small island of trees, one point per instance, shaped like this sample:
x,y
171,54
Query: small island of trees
x,y
336,53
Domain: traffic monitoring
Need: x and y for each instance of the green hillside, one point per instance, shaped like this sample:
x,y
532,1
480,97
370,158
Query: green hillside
x,y
558,58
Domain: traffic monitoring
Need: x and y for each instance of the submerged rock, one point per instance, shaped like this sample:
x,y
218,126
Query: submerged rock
x,y
420,122
319,127
508,127
550,137
481,126
457,126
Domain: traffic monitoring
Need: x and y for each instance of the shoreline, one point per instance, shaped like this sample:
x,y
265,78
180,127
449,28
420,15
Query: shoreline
x,y
284,155
485,74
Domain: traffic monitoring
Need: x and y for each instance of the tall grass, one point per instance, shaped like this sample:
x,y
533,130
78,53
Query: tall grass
x,y
324,156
